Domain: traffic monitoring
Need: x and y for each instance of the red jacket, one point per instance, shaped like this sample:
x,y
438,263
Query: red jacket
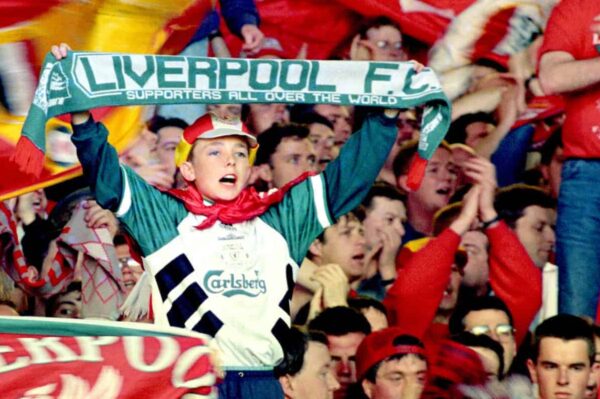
x,y
413,299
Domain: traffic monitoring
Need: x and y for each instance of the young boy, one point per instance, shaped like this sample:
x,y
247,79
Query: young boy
x,y
224,260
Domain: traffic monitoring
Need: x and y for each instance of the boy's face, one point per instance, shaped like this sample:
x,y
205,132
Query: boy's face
x,y
219,168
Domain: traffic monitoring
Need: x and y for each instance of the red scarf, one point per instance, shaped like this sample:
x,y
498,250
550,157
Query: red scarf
x,y
246,206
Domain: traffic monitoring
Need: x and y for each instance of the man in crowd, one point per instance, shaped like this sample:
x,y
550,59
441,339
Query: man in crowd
x,y
345,329
563,357
306,371
342,244
341,119
385,214
321,136
490,316
437,187
529,213
284,153
489,350
570,65
391,365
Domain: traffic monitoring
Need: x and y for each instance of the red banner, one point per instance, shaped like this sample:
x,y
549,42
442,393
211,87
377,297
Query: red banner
x,y
101,360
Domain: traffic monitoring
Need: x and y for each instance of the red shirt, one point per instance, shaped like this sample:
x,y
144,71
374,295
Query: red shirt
x,y
569,30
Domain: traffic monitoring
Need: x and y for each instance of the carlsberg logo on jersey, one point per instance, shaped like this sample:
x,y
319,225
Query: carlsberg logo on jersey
x,y
140,77
231,284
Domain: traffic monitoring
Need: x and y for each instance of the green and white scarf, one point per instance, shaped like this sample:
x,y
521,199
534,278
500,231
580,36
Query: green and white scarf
x,y
84,80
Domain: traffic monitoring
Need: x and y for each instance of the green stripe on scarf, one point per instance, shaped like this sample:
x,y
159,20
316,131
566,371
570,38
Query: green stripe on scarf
x,y
84,81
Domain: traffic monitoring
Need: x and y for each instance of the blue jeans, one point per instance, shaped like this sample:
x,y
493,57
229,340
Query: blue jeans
x,y
250,384
578,237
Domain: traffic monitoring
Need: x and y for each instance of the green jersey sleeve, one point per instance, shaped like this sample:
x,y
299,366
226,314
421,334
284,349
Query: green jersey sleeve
x,y
150,216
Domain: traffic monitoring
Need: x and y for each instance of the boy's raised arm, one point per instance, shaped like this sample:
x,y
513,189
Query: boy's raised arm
x,y
349,177
99,160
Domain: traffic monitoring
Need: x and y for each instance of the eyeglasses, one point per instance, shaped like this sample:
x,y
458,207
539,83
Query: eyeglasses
x,y
503,331
385,45
127,262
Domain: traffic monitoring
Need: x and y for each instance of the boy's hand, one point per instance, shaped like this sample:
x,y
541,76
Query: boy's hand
x,y
59,52
393,112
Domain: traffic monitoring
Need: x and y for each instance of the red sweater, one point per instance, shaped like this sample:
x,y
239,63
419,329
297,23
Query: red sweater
x,y
413,299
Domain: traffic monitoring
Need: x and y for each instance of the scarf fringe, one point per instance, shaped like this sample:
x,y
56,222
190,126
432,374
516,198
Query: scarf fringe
x,y
137,305
28,157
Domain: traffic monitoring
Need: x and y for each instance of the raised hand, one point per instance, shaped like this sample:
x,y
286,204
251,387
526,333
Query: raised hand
x,y
468,214
253,38
98,217
60,51
483,173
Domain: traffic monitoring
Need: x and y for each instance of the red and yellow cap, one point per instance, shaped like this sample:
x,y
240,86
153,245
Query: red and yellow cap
x,y
210,126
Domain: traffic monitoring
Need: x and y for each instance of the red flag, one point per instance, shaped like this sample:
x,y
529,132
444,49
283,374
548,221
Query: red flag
x,y
82,359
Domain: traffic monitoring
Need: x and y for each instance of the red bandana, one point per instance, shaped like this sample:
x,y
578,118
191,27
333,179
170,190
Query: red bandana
x,y
246,206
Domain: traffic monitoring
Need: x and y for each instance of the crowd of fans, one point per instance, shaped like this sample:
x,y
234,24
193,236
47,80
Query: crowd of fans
x,y
450,290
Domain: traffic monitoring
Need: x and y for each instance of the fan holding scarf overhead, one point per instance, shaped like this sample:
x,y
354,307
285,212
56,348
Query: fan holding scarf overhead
x,y
223,258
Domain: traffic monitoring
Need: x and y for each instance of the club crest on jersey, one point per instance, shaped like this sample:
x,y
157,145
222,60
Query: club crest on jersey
x,y
231,284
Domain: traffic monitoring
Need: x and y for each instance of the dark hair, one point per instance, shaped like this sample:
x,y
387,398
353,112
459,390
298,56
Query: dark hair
x,y
482,341
311,117
511,202
490,63
404,157
377,23
297,110
406,153
357,214
549,148
457,133
270,139
295,345
456,323
52,302
340,320
361,303
383,189
567,328
400,340
158,122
